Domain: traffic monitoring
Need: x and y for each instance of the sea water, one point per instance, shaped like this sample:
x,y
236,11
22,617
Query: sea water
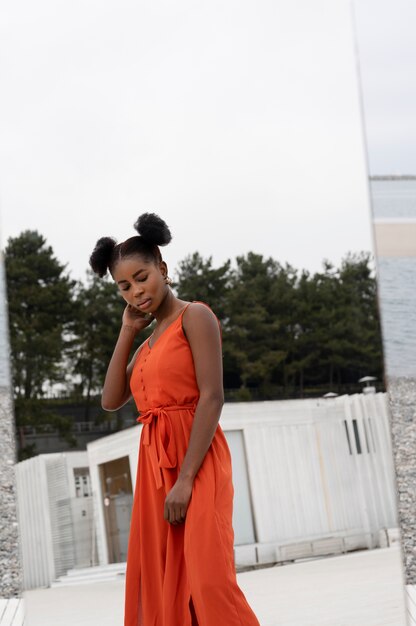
x,y
396,199
393,198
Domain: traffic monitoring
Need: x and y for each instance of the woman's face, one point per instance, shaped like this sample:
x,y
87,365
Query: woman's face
x,y
141,282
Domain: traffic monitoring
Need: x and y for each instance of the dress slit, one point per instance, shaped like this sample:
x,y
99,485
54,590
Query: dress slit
x,y
193,614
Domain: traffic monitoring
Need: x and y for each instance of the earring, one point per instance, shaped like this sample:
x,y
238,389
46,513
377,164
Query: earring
x,y
168,280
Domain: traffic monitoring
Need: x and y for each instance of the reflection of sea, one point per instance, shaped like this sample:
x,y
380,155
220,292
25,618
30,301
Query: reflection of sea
x,y
397,279
394,198
4,349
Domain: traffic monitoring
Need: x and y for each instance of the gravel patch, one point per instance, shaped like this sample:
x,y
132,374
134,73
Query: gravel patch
x,y
402,397
10,572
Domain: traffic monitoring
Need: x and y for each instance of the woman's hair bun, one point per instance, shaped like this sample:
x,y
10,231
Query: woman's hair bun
x,y
153,229
101,255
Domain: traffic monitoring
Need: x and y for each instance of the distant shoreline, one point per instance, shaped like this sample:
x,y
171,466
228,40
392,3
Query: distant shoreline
x,y
394,177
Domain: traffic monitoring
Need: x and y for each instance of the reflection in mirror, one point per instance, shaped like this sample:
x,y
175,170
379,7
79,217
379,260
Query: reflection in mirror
x,y
387,51
240,125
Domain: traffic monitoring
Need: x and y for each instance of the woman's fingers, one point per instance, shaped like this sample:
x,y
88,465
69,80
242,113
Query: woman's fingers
x,y
174,514
177,501
176,517
173,517
166,512
180,515
169,513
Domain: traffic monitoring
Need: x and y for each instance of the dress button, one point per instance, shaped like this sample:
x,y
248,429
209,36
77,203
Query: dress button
x,y
143,387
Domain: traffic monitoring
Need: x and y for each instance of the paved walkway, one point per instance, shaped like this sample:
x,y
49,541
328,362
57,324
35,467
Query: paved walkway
x,y
362,588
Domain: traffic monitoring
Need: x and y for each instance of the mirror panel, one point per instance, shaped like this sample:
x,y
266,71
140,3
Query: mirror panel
x,y
241,125
387,48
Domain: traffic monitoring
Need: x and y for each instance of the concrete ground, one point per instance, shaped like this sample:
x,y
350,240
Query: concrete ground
x,y
362,588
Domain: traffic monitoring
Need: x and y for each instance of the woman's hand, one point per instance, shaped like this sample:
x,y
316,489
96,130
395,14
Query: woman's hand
x,y
133,318
177,501
116,389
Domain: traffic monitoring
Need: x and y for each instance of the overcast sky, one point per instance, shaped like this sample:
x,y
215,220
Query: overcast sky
x,y
387,52
238,122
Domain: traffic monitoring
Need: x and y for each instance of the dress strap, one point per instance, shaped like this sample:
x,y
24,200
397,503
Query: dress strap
x,y
183,310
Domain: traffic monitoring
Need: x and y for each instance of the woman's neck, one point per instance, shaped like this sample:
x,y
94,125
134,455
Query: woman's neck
x,y
169,305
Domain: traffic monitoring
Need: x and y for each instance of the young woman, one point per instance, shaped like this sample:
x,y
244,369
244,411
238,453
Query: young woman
x,y
180,563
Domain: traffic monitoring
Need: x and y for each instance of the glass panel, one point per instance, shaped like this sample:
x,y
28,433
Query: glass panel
x,y
241,124
387,49
117,497
242,512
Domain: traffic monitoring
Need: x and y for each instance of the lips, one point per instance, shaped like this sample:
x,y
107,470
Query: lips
x,y
143,304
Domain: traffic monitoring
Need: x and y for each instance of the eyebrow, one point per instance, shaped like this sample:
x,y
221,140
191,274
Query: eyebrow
x,y
134,276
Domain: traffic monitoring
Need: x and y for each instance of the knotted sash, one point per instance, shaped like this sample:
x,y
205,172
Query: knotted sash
x,y
163,454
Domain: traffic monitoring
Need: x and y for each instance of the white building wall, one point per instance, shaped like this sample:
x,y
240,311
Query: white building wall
x,y
303,478
74,460
105,449
35,529
44,488
62,535
305,486
308,492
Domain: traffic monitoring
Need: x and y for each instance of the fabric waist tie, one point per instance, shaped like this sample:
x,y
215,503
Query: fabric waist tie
x,y
163,454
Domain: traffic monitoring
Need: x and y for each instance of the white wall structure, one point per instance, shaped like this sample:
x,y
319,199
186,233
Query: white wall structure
x,y
321,475
311,477
51,518
104,450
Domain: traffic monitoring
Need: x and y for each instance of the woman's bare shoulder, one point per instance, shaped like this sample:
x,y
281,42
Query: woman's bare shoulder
x,y
199,310
199,316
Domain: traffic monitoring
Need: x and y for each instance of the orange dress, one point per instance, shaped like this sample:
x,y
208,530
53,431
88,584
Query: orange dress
x,y
184,574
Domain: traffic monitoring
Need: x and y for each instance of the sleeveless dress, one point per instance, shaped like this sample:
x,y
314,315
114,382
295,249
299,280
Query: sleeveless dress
x,y
183,574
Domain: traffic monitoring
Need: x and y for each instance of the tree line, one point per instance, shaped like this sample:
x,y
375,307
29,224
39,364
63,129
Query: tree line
x,y
286,332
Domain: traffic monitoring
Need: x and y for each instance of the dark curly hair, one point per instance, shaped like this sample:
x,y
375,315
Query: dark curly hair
x,y
153,232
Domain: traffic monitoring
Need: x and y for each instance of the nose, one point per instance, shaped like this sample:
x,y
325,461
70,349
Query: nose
x,y
137,290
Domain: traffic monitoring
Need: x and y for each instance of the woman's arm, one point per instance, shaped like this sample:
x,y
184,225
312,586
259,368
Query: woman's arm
x,y
203,333
116,389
